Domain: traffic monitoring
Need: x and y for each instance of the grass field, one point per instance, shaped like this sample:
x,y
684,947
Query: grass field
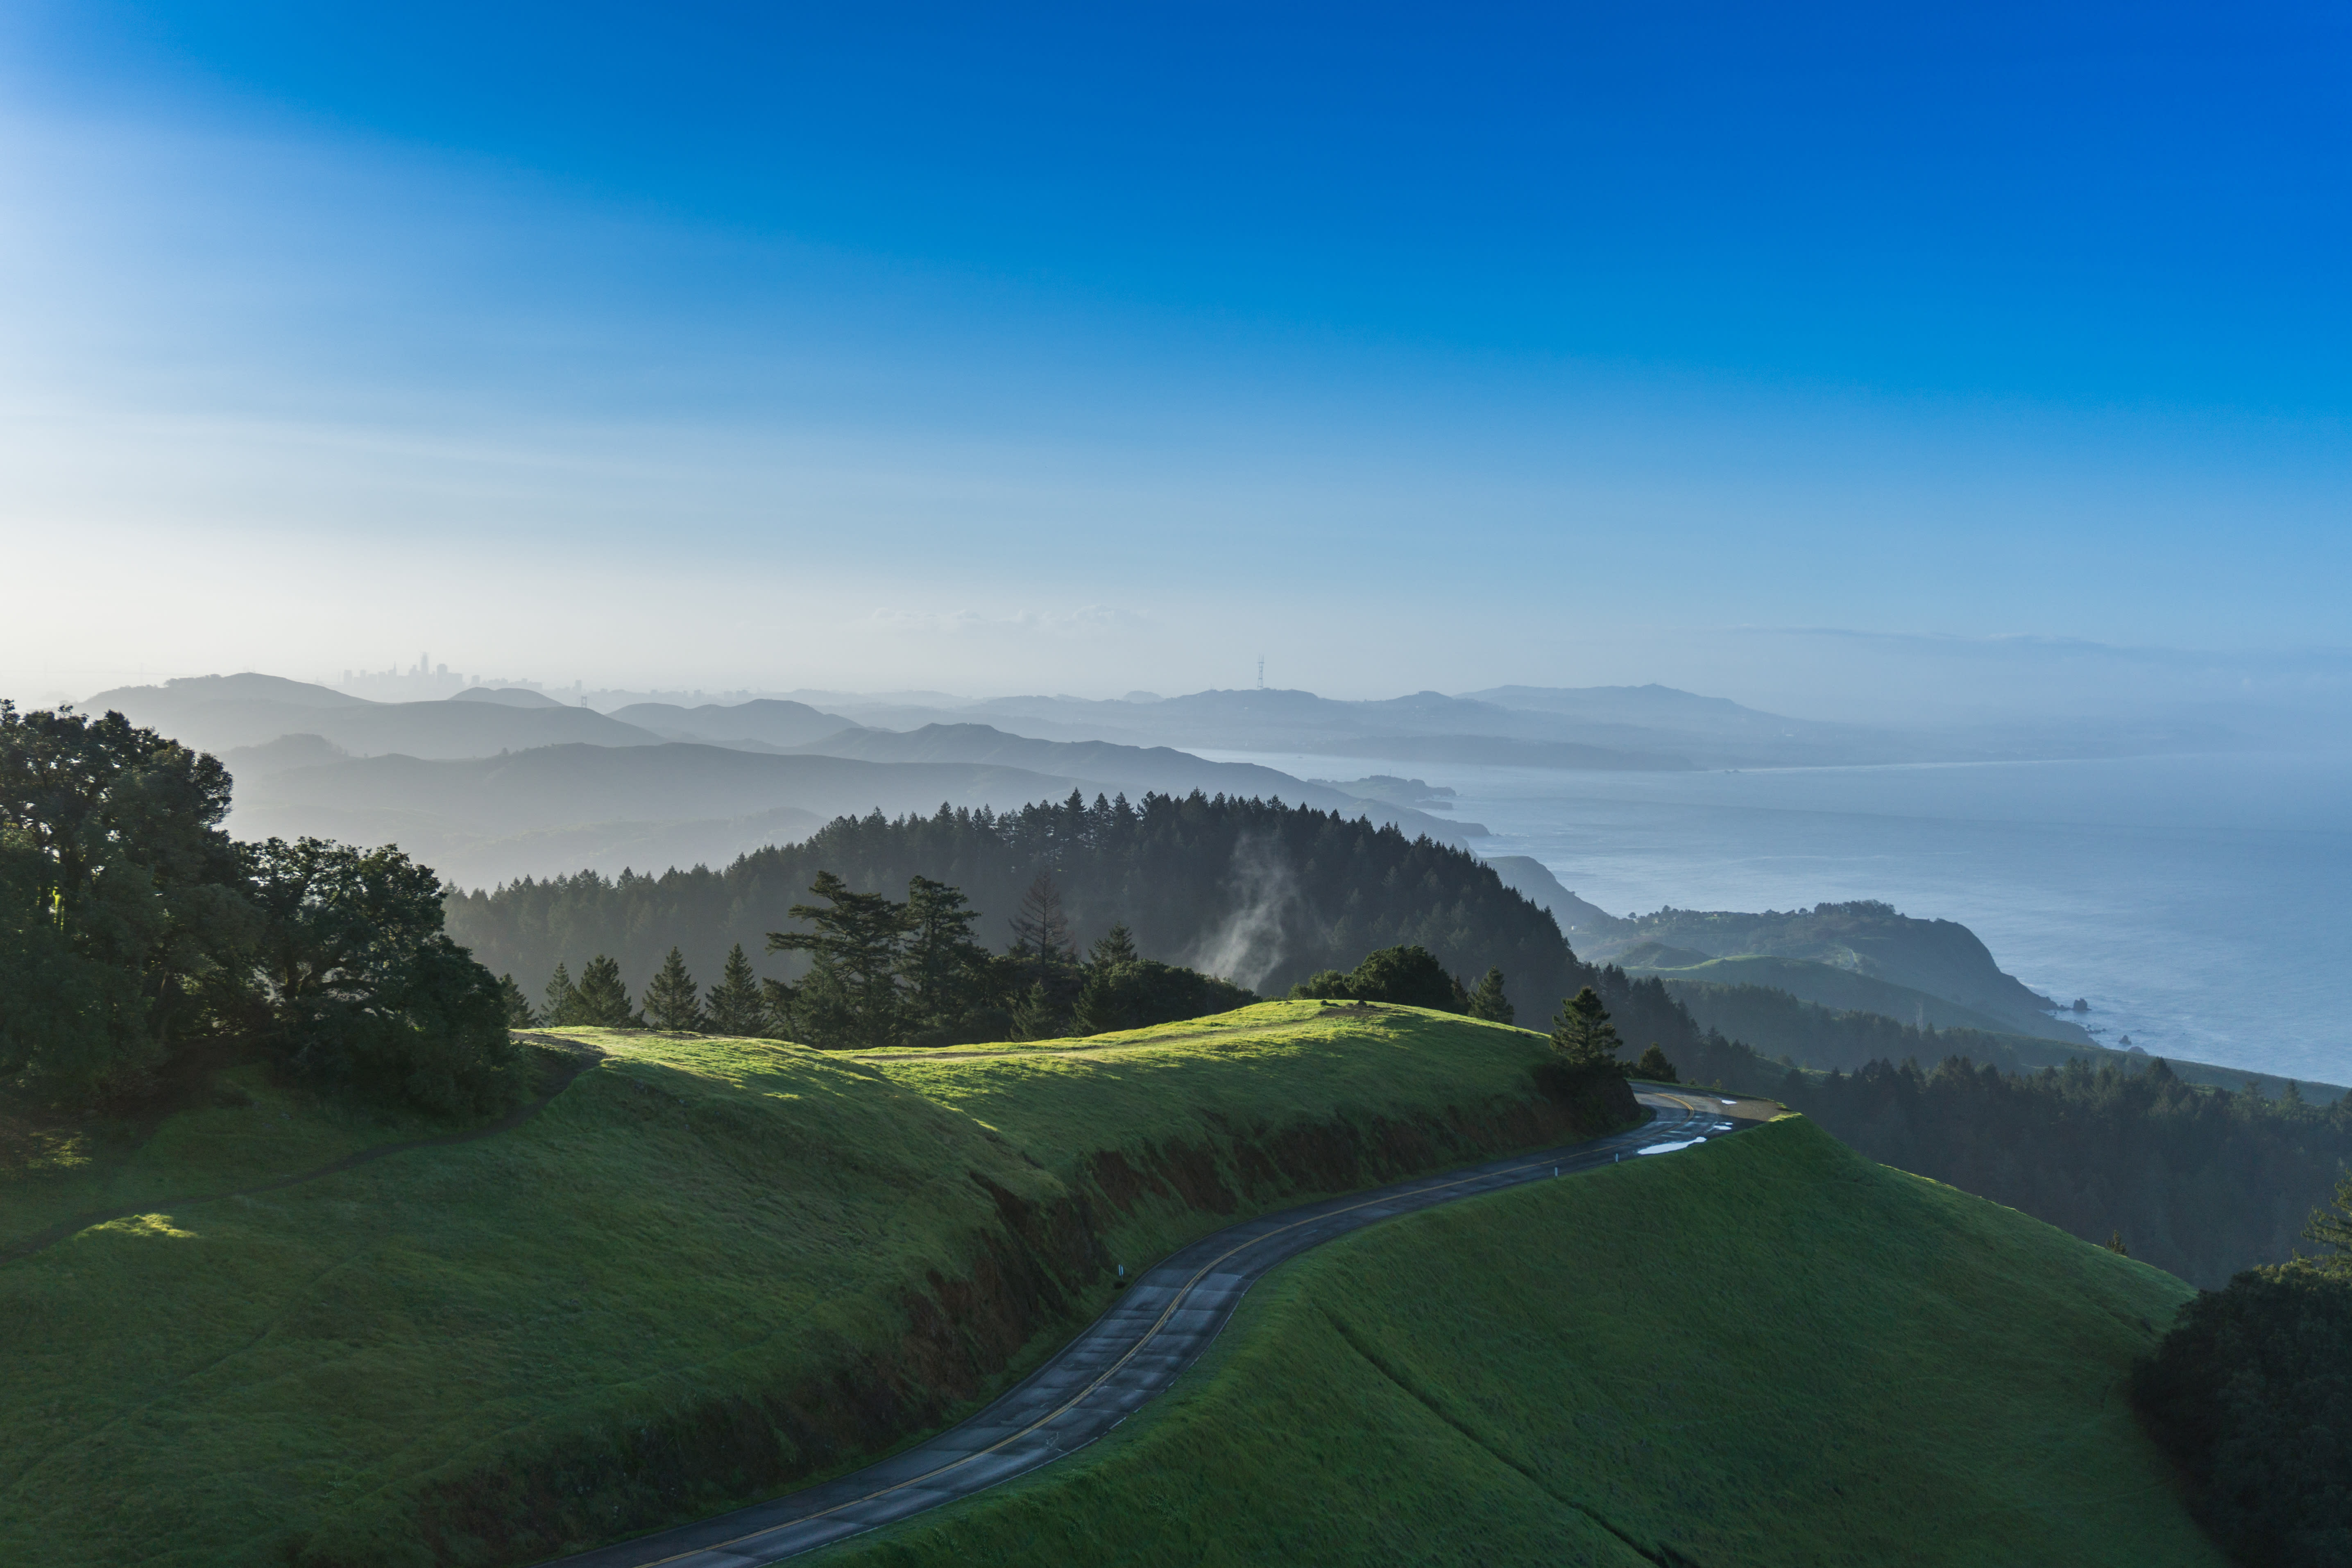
x,y
1765,1350
709,1269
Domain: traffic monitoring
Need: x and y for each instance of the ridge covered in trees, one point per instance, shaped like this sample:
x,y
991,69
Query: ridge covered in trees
x,y
1261,893
885,973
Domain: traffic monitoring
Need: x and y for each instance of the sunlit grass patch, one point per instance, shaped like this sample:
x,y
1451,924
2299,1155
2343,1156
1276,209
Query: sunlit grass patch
x,y
438,1354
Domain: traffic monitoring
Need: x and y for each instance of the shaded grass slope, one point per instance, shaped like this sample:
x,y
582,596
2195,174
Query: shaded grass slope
x,y
708,1270
1765,1350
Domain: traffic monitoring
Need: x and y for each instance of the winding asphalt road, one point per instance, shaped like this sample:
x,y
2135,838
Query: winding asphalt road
x,y
1132,1353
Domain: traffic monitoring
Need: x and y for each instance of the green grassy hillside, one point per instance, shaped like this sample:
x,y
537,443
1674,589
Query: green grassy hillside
x,y
1766,1351
707,1269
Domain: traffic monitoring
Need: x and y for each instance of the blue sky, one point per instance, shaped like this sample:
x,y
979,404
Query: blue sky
x,y
1106,347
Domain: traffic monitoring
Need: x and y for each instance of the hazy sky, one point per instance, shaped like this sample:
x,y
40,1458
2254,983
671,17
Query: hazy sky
x,y
1818,357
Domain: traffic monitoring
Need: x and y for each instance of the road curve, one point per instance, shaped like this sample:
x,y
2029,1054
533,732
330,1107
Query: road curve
x,y
1123,1359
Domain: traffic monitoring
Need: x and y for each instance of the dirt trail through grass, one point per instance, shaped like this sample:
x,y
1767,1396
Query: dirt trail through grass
x,y
582,1057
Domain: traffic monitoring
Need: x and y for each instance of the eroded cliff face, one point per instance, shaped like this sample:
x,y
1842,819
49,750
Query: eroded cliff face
x,y
1035,1272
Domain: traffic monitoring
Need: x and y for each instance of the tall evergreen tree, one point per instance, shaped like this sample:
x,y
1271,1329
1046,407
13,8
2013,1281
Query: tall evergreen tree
x,y
1043,955
1488,1002
736,1004
943,974
517,1006
561,1007
602,999
1655,1067
851,995
1041,931
1115,946
672,1001
2331,1227
1582,1032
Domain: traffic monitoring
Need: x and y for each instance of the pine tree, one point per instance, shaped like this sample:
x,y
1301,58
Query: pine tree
x,y
782,1003
672,1000
736,1006
1655,1067
1115,946
851,995
562,1002
1043,955
1582,1032
2332,1228
2116,1245
1041,931
602,999
943,972
1488,1002
518,1013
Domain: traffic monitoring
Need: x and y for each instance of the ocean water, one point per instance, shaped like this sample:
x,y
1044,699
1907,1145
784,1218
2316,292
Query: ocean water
x,y
2203,905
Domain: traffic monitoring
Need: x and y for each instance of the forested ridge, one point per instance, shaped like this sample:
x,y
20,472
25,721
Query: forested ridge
x,y
1262,893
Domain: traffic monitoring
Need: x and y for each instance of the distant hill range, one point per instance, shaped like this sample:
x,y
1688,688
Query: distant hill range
x,y
1599,728
220,714
1579,921
1863,957
1860,956
1654,729
492,784
311,759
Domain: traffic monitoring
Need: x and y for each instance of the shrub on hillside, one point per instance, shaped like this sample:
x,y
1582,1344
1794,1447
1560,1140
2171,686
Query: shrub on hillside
x,y
1137,993
2251,1394
1408,975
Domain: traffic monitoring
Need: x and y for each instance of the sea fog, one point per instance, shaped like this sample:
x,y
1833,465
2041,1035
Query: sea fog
x,y
2198,903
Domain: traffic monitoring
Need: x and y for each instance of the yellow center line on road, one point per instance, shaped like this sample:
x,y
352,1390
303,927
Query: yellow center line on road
x,y
1159,1323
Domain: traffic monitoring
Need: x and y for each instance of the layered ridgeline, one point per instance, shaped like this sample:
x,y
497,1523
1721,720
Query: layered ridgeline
x,y
705,1270
1763,1351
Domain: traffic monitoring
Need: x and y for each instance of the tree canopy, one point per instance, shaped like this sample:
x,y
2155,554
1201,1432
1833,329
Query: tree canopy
x,y
1409,975
131,925
1582,1032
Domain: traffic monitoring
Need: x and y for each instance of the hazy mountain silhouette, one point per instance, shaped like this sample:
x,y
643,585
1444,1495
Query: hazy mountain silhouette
x,y
1134,769
768,721
220,714
1604,727
509,696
